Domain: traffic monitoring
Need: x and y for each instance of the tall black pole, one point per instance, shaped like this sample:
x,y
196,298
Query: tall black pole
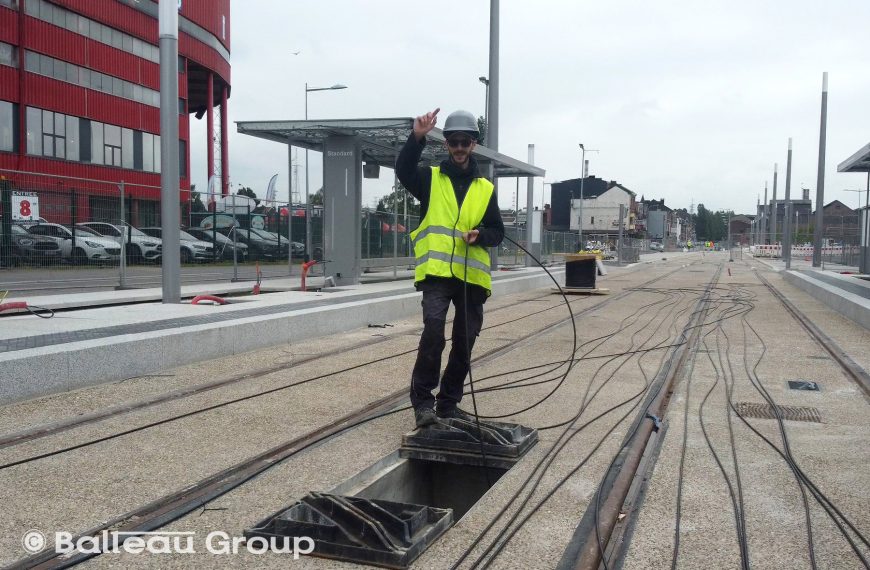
x,y
820,179
786,218
492,106
773,208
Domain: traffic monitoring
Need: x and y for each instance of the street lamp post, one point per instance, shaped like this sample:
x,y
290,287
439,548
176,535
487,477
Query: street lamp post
x,y
485,81
307,197
583,175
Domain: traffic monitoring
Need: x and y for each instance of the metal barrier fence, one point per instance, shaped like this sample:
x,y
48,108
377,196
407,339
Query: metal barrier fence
x,y
71,233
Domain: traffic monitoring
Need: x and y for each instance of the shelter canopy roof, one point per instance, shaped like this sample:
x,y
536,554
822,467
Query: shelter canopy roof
x,y
380,139
858,162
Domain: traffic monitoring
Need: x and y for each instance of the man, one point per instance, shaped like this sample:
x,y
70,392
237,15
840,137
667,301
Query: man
x,y
460,218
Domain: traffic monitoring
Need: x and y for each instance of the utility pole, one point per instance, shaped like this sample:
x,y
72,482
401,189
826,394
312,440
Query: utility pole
x,y
786,218
170,209
492,106
820,178
773,207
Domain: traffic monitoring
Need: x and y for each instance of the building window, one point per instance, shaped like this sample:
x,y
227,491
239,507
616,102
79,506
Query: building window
x,y
181,106
97,152
34,131
96,31
148,152
89,79
53,134
72,138
8,55
8,126
127,154
593,220
10,4
112,145
182,159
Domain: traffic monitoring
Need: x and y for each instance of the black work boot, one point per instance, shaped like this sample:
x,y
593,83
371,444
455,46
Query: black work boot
x,y
455,414
424,416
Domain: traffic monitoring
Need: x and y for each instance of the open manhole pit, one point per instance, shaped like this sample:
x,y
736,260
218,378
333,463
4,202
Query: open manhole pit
x,y
390,512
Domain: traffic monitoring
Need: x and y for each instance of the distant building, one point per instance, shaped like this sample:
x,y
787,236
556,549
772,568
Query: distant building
x,y
598,199
601,212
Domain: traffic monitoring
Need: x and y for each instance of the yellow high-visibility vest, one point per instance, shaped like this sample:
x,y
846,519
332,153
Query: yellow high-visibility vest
x,y
438,244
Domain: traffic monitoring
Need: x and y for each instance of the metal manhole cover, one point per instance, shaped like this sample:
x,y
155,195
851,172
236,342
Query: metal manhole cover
x,y
803,385
766,412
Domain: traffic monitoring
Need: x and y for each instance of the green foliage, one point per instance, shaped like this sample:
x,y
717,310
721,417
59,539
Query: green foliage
x,y
397,199
481,126
317,197
245,191
710,225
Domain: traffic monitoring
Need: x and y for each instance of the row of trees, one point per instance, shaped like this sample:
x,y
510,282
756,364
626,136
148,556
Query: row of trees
x,y
710,225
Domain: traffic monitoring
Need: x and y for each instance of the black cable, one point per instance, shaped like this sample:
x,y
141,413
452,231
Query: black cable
x,y
555,451
545,463
41,312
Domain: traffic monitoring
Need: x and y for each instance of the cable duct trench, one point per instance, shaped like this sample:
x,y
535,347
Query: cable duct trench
x,y
390,512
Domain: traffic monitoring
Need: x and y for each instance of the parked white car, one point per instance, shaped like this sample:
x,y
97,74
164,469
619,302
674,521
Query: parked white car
x,y
192,249
656,246
139,246
86,246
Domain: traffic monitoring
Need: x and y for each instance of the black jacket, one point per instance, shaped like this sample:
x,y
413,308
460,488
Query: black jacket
x,y
418,181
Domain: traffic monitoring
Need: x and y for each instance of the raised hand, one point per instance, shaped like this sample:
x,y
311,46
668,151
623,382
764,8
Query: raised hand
x,y
425,123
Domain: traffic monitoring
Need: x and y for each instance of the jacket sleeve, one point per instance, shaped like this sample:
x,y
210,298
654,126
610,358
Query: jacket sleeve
x,y
415,179
491,226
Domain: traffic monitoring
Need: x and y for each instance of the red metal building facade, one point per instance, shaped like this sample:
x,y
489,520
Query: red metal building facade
x,y
79,90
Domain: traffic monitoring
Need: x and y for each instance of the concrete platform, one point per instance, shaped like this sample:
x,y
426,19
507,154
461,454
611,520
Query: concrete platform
x,y
123,340
838,286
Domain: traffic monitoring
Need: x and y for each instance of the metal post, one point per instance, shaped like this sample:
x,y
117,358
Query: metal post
x,y
619,245
865,267
730,245
235,245
786,218
582,179
492,107
820,178
773,209
517,222
290,204
395,224
530,200
764,214
307,196
405,216
124,233
170,209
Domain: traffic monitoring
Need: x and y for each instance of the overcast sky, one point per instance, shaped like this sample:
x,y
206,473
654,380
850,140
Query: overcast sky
x,y
687,101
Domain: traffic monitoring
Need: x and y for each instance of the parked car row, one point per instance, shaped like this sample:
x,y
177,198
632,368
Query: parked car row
x,y
101,243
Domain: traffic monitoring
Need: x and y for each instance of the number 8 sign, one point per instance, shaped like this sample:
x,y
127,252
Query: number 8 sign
x,y
25,206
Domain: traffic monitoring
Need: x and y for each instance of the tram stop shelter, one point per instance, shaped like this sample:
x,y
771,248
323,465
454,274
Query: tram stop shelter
x,y
860,162
348,143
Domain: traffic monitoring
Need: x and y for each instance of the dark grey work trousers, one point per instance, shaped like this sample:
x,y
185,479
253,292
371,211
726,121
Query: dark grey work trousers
x,y
424,379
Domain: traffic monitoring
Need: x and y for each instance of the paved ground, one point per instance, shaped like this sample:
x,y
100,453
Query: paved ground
x,y
76,490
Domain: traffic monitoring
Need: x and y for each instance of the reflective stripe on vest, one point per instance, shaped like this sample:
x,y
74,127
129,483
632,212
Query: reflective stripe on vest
x,y
438,240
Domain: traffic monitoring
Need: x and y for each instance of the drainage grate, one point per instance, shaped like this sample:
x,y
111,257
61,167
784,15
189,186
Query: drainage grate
x,y
803,385
765,412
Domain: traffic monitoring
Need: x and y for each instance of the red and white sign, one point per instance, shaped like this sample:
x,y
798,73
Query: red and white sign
x,y
25,206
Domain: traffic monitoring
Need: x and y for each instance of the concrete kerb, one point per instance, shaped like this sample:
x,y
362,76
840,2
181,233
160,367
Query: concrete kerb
x,y
41,371
850,305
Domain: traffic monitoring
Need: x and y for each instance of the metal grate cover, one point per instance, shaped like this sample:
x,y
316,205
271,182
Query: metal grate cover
x,y
765,412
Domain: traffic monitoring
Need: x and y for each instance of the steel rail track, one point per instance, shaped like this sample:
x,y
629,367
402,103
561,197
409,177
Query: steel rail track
x,y
157,513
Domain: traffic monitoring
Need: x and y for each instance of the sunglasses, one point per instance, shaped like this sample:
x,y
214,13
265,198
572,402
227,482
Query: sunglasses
x,y
459,142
